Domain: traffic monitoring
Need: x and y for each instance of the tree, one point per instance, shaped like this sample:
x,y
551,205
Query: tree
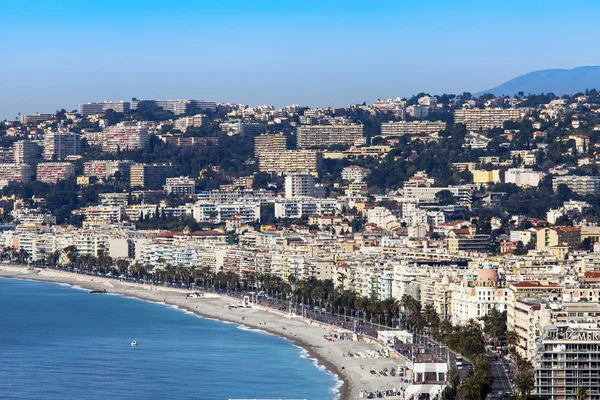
x,y
582,393
445,197
495,325
470,389
525,379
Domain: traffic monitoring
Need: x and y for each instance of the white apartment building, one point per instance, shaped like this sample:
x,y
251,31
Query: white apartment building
x,y
195,121
60,145
523,177
473,297
104,214
125,136
52,172
298,208
25,152
354,173
329,135
427,194
299,185
488,118
382,217
411,128
180,186
99,108
217,213
16,172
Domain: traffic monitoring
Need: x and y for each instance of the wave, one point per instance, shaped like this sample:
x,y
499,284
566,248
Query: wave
x,y
338,382
248,329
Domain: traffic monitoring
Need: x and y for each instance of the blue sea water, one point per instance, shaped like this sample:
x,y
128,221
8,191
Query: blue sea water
x,y
57,342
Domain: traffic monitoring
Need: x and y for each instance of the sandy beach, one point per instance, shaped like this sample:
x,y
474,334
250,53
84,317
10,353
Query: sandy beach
x,y
354,372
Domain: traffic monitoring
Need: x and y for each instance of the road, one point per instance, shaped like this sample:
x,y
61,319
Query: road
x,y
501,381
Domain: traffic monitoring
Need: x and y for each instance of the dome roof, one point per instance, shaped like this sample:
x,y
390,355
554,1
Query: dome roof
x,y
487,275
445,280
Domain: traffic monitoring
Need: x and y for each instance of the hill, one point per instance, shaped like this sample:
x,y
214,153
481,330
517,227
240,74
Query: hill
x,y
557,81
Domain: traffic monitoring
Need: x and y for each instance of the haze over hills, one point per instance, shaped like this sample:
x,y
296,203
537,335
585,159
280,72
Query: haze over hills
x,y
557,81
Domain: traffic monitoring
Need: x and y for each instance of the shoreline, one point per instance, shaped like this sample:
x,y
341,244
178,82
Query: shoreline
x,y
305,334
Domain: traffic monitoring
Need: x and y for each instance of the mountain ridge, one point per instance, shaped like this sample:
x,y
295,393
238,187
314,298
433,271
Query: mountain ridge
x,y
556,80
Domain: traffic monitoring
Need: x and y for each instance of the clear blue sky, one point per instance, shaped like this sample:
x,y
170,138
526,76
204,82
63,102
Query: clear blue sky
x,y
59,53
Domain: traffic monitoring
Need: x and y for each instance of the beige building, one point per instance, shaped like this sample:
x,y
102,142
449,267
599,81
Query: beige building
x,y
483,176
558,236
400,128
269,143
476,119
287,162
146,175
329,135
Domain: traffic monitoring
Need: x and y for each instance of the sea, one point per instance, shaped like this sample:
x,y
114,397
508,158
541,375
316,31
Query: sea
x,y
60,342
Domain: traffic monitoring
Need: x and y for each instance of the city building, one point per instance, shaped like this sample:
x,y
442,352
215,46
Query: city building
x,y
180,186
15,172
558,235
52,172
523,177
35,119
125,136
299,185
411,128
568,358
243,128
104,169
290,161
195,121
355,173
149,175
269,143
488,118
25,152
298,208
329,135
99,108
60,145
484,176
582,185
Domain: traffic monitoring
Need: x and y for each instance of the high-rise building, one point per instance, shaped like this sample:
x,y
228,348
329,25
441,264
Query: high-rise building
x,y
400,128
523,177
149,175
125,136
25,152
53,172
16,172
299,185
581,185
283,163
329,135
35,118
568,358
99,108
487,118
60,145
266,143
177,107
195,121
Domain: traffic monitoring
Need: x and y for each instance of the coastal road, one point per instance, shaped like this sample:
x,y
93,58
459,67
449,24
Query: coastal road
x,y
501,381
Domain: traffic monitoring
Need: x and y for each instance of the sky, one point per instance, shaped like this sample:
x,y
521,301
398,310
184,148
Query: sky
x,y
57,54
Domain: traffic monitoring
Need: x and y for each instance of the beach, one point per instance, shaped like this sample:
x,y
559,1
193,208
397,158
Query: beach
x,y
353,372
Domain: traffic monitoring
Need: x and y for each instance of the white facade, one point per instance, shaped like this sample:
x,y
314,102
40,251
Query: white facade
x,y
523,177
299,185
60,145
125,136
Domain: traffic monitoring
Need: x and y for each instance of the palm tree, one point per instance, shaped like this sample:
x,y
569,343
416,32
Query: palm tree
x,y
453,379
470,389
525,379
582,393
